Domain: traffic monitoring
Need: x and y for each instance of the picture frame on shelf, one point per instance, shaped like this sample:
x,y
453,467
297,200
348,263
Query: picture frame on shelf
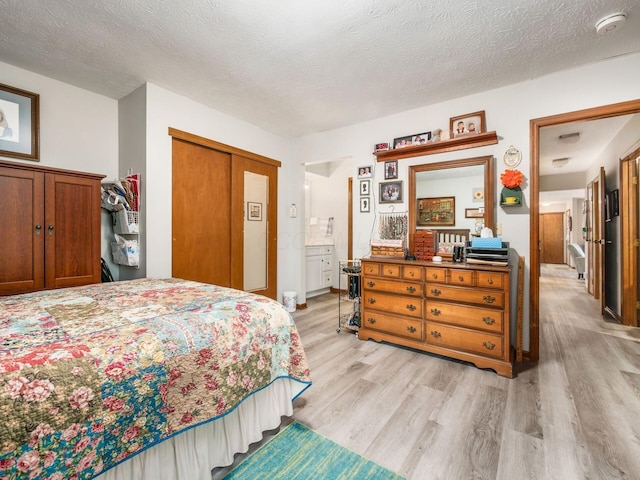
x,y
365,172
19,123
365,204
365,187
469,124
411,140
391,192
436,212
254,211
391,170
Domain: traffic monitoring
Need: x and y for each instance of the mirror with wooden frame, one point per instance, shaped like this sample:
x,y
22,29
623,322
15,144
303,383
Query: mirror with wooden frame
x,y
451,195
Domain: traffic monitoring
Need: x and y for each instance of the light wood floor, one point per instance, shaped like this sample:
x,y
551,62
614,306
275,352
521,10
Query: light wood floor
x,y
574,415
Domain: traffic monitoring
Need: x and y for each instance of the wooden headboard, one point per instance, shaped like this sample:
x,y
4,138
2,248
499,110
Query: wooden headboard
x,y
447,237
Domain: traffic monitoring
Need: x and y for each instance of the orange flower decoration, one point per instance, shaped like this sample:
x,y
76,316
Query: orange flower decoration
x,y
511,178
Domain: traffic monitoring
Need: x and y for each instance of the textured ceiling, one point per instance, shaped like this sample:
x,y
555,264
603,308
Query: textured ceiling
x,y
294,67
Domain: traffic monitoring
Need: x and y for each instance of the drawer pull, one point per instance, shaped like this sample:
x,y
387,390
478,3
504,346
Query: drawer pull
x,y
411,329
488,320
435,334
489,345
411,307
490,281
390,272
435,292
371,300
489,299
371,284
371,320
461,278
435,275
411,274
435,311
411,289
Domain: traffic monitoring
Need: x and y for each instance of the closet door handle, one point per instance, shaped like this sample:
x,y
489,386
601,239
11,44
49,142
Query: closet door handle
x,y
38,229
50,230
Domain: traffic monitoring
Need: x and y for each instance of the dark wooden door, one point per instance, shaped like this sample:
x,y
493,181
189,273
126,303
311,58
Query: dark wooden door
x,y
201,214
551,235
22,232
71,230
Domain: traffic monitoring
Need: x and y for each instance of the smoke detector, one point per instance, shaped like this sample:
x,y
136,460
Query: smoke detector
x,y
611,23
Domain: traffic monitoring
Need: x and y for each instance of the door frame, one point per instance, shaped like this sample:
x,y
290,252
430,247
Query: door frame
x,y
596,113
629,230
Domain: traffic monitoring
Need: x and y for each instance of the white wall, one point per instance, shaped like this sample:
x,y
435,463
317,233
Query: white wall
x,y
78,130
508,112
167,109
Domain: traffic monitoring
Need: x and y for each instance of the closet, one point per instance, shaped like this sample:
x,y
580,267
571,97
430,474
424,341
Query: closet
x,y
50,235
224,215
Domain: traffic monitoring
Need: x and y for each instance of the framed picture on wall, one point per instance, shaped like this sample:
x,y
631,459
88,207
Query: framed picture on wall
x,y
365,204
254,211
19,123
437,212
391,170
365,172
390,192
365,187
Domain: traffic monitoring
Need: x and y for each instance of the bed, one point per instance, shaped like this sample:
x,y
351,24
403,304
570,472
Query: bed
x,y
141,379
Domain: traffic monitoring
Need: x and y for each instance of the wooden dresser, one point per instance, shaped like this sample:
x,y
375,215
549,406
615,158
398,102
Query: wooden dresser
x,y
451,309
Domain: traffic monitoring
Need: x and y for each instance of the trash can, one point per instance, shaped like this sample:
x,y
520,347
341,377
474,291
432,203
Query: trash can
x,y
289,300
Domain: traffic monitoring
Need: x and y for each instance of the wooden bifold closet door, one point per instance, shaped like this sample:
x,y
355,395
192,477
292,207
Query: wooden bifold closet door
x,y
208,205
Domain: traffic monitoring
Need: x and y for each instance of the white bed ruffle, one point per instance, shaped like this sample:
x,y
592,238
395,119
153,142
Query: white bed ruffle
x,y
192,455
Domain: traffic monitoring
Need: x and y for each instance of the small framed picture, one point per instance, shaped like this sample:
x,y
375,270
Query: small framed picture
x,y
436,212
474,213
254,211
391,170
390,192
19,123
365,187
364,172
365,204
381,147
469,124
477,194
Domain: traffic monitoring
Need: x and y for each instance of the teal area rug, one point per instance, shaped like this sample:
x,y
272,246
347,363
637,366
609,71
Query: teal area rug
x,y
299,453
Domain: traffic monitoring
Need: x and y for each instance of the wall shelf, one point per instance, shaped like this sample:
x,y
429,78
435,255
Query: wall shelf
x,y
460,143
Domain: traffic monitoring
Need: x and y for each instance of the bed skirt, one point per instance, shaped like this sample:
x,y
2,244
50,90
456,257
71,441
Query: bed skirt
x,y
192,455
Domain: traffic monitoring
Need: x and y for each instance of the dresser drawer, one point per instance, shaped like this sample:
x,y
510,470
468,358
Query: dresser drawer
x,y
387,270
412,273
486,344
371,268
493,298
432,274
393,286
392,303
461,277
395,325
490,279
465,316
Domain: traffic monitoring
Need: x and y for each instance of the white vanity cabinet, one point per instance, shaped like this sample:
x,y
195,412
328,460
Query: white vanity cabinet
x,y
319,262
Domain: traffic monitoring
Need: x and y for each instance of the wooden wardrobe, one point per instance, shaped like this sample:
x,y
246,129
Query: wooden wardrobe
x,y
50,228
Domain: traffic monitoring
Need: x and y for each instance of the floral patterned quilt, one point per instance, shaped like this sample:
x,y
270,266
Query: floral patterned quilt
x,y
90,376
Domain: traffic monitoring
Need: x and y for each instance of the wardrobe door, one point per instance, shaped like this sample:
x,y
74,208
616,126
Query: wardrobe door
x,y
22,231
201,214
71,230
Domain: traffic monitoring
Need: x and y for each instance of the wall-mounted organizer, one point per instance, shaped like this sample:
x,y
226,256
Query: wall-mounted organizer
x,y
122,198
